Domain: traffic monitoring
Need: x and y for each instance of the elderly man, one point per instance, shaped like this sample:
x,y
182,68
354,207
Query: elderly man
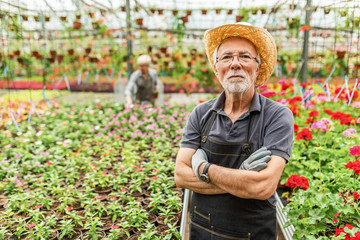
x,y
143,83
234,148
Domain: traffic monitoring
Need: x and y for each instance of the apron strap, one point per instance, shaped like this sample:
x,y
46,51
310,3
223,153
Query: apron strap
x,y
208,127
247,147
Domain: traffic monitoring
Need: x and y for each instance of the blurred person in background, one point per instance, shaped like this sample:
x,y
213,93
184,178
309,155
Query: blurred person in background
x,y
143,84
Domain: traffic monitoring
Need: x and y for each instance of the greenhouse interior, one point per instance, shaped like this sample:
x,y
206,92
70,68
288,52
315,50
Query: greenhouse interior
x,y
105,109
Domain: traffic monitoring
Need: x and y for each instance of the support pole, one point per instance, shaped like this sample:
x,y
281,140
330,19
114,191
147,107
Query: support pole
x,y
128,38
305,53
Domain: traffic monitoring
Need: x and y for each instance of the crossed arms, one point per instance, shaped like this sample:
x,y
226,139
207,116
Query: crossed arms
x,y
241,183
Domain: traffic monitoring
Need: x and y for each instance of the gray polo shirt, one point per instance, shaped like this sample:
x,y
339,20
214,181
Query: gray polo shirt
x,y
272,125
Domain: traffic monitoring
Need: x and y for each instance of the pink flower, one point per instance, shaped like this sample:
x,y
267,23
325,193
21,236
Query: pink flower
x,y
18,155
98,197
123,189
154,177
350,133
69,208
37,207
115,226
30,225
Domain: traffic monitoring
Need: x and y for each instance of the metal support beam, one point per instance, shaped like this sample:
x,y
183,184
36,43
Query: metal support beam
x,y
128,38
305,53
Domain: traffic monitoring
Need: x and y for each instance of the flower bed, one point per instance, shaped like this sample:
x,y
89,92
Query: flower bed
x,y
80,170
321,180
101,171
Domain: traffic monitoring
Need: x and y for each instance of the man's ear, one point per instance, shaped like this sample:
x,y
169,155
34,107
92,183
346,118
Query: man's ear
x,y
258,70
216,71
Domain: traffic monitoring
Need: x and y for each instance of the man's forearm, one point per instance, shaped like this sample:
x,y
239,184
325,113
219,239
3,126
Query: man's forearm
x,y
185,178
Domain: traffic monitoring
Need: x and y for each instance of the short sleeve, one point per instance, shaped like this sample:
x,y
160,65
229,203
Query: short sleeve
x,y
192,132
279,133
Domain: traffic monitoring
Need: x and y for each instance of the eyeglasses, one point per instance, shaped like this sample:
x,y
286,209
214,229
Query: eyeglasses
x,y
244,58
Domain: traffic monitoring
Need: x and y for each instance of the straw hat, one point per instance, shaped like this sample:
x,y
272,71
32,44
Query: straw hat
x,y
258,36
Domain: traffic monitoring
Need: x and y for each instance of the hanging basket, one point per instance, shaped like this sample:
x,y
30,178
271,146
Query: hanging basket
x,y
218,11
175,12
254,11
188,12
77,25
263,11
70,52
229,12
78,17
152,10
326,10
47,19
203,11
87,50
160,11
163,49
24,17
239,18
340,54
292,6
63,18
60,58
139,21
36,18
185,19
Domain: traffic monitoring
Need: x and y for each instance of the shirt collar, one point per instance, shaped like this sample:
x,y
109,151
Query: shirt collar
x,y
220,102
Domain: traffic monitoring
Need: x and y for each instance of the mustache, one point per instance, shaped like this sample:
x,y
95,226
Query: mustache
x,y
238,73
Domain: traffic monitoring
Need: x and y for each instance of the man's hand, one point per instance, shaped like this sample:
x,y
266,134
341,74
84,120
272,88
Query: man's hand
x,y
257,161
197,159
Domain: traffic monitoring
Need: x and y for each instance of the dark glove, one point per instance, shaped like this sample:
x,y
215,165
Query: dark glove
x,y
257,161
197,159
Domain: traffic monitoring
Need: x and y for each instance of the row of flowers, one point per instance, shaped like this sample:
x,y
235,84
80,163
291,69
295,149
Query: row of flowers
x,y
101,171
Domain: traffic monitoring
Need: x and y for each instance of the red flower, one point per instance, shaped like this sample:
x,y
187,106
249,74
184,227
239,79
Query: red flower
x,y
304,134
295,99
348,121
49,163
335,220
338,231
356,195
309,120
337,214
355,166
328,111
295,110
297,181
69,208
37,207
314,114
304,28
339,115
355,151
296,128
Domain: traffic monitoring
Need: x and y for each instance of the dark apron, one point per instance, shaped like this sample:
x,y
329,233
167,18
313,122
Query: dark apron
x,y
145,90
225,216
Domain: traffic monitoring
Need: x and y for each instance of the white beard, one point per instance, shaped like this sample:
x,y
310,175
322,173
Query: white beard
x,y
238,85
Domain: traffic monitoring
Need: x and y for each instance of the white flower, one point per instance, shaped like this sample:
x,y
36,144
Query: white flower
x,y
38,142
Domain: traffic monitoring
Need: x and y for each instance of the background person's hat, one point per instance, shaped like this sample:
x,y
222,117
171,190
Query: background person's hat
x,y
260,37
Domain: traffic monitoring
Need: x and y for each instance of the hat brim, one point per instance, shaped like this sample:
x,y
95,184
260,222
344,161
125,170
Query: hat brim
x,y
260,37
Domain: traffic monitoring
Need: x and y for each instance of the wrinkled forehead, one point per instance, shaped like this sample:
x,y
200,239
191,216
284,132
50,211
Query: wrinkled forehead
x,y
236,44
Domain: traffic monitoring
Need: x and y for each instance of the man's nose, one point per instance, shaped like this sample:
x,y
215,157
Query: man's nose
x,y
235,63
